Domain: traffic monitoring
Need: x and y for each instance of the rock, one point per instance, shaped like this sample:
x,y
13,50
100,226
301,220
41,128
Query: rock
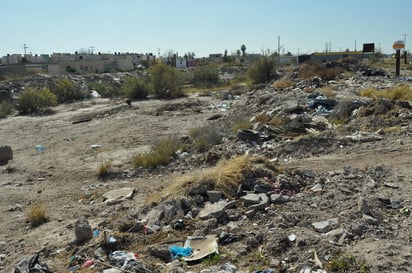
x,y
291,106
214,210
325,226
278,198
264,201
214,196
162,252
6,154
117,196
250,199
82,230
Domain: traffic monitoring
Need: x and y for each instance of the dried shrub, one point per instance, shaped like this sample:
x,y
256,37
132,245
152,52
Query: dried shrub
x,y
264,118
226,177
327,91
104,169
318,70
399,92
205,137
37,215
283,83
241,125
162,152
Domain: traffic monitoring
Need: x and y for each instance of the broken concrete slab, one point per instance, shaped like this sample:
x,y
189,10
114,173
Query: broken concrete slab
x,y
325,226
117,196
214,210
202,247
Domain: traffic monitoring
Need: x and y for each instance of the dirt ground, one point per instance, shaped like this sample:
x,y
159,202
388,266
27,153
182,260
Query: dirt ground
x,y
62,176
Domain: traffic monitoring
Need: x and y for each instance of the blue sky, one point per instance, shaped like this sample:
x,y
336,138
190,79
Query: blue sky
x,y
201,26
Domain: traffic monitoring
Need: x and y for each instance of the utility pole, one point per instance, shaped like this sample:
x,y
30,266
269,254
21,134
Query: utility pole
x,y
404,39
25,47
278,46
91,49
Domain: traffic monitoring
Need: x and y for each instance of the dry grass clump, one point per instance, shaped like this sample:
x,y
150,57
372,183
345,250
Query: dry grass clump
x,y
226,177
399,92
264,118
104,169
162,151
283,83
241,125
37,215
317,70
205,137
328,91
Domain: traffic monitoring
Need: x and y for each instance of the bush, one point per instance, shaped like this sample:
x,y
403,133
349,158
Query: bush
x,y
263,70
135,88
165,81
35,101
162,151
66,91
6,109
205,76
205,137
37,215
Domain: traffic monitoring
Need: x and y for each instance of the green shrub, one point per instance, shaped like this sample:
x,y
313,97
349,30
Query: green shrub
x,y
135,88
66,91
205,76
35,101
205,137
263,70
162,152
6,109
166,81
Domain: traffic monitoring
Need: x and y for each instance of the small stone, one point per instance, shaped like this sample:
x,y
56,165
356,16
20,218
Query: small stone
x,y
82,230
325,226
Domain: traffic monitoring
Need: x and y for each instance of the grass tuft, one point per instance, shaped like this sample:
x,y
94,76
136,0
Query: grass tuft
x,y
37,215
399,92
104,169
162,152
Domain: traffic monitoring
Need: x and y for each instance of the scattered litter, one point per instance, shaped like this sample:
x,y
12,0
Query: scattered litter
x,y
31,264
40,148
95,146
391,185
202,247
179,251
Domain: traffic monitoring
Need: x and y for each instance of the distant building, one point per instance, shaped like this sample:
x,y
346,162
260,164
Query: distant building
x,y
216,58
11,59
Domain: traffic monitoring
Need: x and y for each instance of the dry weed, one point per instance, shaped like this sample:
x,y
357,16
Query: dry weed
x,y
283,83
37,215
